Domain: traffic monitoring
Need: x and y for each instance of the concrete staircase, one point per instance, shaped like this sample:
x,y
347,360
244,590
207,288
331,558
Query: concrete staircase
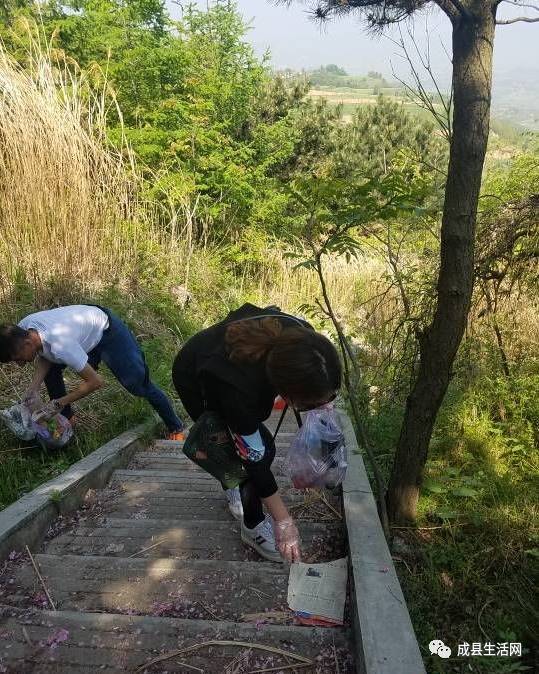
x,y
152,565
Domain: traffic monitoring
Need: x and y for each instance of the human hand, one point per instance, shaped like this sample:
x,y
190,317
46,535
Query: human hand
x,y
287,538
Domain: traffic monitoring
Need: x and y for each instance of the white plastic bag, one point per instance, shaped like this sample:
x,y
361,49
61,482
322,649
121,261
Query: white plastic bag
x,y
18,419
317,455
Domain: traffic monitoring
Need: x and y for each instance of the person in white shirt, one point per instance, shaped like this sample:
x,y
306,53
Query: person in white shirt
x,y
80,337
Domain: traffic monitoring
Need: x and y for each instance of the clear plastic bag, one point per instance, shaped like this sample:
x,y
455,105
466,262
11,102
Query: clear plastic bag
x,y
52,433
317,455
18,418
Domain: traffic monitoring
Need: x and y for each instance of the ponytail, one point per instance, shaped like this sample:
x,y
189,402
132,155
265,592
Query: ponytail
x,y
301,364
249,341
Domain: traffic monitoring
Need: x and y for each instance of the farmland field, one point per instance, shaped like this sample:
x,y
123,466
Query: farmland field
x,y
350,98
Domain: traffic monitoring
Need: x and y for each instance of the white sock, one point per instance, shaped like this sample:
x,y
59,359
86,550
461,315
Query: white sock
x,y
254,440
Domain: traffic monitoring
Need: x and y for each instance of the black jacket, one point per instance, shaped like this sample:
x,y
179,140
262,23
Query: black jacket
x,y
205,377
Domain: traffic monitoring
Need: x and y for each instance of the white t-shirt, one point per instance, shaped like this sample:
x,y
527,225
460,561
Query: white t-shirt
x,y
68,334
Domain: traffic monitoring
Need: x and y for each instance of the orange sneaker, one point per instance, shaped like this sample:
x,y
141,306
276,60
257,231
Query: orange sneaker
x,y
178,436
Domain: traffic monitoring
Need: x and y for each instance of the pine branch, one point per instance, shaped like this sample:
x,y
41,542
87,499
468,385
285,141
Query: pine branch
x,y
518,19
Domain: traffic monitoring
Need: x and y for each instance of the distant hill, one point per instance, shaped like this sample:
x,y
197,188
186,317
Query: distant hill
x,y
515,94
515,97
337,78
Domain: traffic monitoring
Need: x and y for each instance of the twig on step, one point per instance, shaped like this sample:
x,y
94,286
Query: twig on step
x,y
306,503
40,578
328,504
195,669
139,552
294,666
235,666
313,497
208,610
257,591
304,662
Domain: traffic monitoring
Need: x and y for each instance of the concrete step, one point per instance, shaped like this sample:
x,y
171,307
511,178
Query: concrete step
x,y
182,506
136,489
153,459
179,463
185,505
182,589
179,473
202,539
166,446
176,480
65,642
288,430
283,441
137,485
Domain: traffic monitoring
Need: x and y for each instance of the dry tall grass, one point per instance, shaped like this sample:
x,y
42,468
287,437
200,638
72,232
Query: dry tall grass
x,y
289,286
68,203
71,211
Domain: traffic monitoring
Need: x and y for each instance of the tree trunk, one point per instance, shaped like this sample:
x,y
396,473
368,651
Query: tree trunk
x,y
472,77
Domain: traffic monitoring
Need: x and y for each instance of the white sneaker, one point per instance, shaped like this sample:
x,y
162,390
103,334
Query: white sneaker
x,y
262,539
234,503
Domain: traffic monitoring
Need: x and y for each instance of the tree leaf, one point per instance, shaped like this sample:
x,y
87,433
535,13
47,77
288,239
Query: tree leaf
x,y
434,487
452,471
466,492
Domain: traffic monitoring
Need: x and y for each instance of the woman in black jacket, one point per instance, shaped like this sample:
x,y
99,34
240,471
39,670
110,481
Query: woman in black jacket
x,y
236,368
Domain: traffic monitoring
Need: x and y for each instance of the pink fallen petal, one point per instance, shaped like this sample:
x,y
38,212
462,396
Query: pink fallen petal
x,y
55,639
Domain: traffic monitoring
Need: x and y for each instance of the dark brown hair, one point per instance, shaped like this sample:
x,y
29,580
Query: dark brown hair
x,y
11,337
301,364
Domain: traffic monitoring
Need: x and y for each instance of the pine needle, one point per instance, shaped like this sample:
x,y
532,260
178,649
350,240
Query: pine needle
x,y
328,504
304,662
195,669
280,669
139,552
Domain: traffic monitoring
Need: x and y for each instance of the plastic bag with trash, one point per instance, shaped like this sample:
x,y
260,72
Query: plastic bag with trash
x,y
317,455
18,418
52,433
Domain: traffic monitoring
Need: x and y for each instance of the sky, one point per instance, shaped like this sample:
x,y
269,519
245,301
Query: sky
x,y
295,41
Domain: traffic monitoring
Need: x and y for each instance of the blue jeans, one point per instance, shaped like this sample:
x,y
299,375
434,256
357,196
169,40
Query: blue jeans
x,y
119,350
